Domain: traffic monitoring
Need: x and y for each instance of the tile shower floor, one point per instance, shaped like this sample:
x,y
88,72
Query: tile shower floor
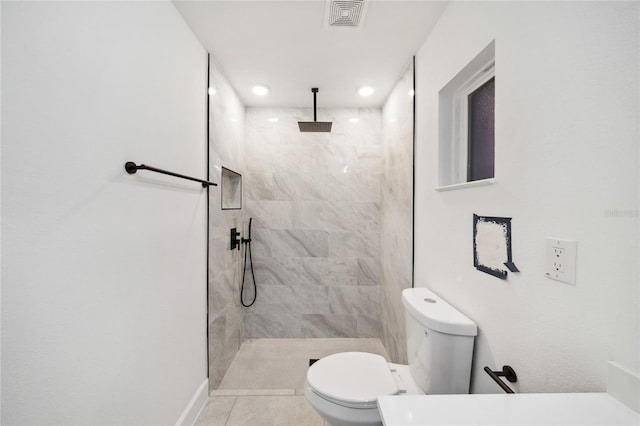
x,y
264,384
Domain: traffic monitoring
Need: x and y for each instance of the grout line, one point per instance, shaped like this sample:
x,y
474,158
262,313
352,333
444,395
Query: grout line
x,y
252,392
226,421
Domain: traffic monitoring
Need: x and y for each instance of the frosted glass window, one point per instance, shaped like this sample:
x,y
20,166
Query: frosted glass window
x,y
481,136
466,140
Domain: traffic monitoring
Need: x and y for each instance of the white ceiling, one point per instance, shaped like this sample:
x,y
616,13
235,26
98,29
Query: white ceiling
x,y
287,46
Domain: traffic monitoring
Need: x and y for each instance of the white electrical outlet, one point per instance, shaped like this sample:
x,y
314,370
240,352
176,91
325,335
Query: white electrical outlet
x,y
560,260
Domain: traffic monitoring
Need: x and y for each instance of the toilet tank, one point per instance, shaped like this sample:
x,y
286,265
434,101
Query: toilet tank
x,y
439,343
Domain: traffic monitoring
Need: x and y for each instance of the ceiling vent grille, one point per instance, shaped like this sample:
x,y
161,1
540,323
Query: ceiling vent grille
x,y
344,13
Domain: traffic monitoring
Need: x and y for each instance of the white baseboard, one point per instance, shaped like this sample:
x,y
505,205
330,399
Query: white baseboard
x,y
623,385
193,408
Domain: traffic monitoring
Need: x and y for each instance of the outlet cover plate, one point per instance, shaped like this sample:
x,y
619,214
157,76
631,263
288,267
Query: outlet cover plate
x,y
560,260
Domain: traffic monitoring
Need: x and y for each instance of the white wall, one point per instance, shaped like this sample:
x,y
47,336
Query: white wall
x,y
567,85
104,274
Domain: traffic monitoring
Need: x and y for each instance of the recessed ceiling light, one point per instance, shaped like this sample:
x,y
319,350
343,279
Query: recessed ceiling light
x,y
354,120
412,92
212,91
366,91
260,90
273,119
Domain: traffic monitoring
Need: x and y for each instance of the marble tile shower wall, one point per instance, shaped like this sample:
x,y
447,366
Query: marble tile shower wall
x,y
315,202
397,213
226,148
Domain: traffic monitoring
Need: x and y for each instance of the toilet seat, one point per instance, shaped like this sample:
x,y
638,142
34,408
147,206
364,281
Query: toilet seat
x,y
352,379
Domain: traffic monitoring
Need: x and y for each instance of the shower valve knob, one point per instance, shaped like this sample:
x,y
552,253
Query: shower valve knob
x,y
235,239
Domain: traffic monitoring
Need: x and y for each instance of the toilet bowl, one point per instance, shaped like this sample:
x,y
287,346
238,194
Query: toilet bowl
x,y
344,387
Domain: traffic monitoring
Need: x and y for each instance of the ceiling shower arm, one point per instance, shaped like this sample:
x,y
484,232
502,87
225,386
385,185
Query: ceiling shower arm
x,y
314,91
315,125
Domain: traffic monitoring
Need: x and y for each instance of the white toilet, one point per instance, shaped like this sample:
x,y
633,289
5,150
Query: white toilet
x,y
344,387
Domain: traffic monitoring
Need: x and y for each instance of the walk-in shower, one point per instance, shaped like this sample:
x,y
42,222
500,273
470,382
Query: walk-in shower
x,y
317,242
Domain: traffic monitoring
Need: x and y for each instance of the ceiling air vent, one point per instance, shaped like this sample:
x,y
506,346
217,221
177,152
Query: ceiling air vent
x,y
344,13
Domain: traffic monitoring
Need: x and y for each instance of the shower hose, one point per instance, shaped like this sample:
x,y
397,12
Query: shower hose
x,y
247,249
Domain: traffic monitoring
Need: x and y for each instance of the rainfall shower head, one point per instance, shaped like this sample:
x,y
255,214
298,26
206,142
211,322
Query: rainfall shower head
x,y
314,126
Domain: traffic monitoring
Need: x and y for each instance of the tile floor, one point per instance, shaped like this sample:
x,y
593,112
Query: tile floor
x,y
264,384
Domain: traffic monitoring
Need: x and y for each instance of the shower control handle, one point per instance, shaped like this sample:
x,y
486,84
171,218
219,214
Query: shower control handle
x,y
235,239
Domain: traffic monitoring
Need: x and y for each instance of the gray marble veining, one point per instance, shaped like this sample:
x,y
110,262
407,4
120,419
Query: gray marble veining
x,y
354,244
366,216
355,300
261,242
368,271
335,325
293,300
226,148
329,271
323,215
299,243
271,214
317,211
396,214
271,271
290,185
272,324
369,325
258,186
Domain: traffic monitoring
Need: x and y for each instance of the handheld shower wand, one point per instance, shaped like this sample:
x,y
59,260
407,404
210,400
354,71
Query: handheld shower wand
x,y
247,243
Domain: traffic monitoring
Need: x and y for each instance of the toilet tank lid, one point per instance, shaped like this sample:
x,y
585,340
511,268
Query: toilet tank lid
x,y
434,313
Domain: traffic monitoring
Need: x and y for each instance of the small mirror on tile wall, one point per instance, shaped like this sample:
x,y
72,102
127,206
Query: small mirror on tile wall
x,y
231,189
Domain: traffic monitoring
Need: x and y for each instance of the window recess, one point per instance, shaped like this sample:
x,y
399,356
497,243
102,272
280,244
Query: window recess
x,y
466,139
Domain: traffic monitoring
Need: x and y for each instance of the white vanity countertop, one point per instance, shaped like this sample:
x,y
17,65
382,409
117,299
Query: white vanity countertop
x,y
558,409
